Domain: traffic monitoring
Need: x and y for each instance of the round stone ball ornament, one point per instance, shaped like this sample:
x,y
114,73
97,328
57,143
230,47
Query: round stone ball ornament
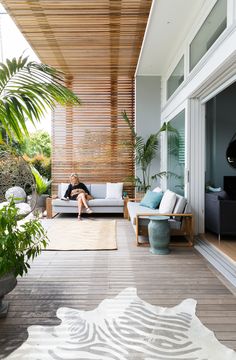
x,y
16,180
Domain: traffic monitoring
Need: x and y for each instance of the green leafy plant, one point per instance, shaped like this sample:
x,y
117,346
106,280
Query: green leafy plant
x,y
41,163
42,183
27,90
145,153
19,244
39,143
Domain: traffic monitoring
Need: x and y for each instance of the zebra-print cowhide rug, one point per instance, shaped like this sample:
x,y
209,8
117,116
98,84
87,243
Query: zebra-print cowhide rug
x,y
125,328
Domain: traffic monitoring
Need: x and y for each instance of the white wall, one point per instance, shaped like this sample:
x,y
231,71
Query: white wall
x,y
148,110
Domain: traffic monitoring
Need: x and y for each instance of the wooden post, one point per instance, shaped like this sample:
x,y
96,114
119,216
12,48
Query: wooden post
x,y
49,207
126,213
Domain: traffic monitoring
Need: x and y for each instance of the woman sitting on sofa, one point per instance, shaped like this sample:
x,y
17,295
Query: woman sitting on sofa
x,y
78,191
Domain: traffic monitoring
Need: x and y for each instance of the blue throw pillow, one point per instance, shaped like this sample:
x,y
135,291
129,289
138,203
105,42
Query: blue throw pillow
x,y
152,199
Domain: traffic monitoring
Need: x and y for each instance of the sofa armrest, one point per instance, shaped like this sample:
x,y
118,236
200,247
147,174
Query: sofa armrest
x,y
167,214
134,199
227,217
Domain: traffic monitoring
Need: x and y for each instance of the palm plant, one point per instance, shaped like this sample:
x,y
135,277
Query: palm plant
x,y
27,90
42,183
145,153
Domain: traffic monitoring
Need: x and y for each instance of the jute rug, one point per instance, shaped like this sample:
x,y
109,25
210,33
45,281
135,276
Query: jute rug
x,y
71,234
125,328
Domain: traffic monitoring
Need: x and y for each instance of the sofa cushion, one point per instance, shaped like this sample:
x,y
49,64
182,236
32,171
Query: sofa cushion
x,y
168,202
92,203
135,208
59,202
62,187
114,190
151,199
98,191
157,189
106,202
179,206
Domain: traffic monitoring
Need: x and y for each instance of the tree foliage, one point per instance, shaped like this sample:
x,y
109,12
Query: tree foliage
x,y
38,143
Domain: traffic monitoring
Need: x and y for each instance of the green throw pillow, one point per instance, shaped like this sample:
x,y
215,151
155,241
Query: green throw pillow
x,y
152,199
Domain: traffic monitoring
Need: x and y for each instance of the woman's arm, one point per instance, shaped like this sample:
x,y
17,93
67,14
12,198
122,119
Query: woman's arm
x,y
84,187
68,192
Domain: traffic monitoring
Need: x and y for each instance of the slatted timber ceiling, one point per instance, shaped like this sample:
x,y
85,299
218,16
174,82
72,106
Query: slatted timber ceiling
x,y
96,43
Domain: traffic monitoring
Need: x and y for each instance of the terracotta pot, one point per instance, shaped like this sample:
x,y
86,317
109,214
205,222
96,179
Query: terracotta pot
x,y
7,284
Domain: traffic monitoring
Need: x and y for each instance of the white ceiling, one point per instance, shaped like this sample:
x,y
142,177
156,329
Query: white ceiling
x,y
169,21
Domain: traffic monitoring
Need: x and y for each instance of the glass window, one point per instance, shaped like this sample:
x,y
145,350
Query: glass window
x,y
209,32
176,153
176,78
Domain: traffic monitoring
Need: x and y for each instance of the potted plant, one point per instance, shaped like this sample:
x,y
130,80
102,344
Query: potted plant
x,y
145,152
20,242
42,186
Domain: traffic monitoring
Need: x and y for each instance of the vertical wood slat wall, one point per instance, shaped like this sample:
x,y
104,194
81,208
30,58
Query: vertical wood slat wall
x,y
93,139
96,43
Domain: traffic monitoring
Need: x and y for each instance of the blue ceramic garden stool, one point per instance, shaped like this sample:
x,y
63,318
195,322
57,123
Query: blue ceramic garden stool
x,y
159,234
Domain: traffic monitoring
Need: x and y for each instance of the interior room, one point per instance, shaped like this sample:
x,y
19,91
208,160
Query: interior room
x,y
220,176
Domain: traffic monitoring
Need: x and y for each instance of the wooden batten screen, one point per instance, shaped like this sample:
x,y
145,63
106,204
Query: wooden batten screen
x,y
93,140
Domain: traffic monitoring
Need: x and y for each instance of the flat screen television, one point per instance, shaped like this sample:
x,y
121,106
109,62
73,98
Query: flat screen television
x,y
230,186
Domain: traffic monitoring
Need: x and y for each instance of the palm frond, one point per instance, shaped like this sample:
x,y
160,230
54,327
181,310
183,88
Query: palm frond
x,y
42,183
27,90
127,120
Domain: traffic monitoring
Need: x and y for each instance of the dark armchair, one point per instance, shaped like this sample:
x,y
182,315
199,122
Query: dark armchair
x,y
220,214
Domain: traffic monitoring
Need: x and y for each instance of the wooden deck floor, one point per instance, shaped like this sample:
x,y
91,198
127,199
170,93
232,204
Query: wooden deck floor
x,y
83,279
227,244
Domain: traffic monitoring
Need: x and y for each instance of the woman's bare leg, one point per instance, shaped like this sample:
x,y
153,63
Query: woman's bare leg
x,y
80,204
84,201
83,198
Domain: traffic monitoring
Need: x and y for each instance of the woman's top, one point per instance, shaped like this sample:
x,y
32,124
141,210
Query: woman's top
x,y
73,187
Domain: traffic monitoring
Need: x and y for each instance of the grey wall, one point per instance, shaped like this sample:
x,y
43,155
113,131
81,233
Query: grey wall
x,y
220,128
148,110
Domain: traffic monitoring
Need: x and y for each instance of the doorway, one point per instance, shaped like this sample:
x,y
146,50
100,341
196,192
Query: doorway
x,y
220,173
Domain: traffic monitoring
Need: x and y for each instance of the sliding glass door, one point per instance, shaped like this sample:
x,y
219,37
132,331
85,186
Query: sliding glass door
x,y
176,154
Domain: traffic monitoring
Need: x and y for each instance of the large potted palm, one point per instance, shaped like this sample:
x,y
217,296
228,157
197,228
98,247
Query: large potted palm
x,y
145,152
42,186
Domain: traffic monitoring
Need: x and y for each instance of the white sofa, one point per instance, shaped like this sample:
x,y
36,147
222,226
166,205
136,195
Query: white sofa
x,y
181,219
99,203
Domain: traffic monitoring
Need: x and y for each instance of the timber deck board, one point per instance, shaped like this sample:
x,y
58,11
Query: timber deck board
x,y
82,279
